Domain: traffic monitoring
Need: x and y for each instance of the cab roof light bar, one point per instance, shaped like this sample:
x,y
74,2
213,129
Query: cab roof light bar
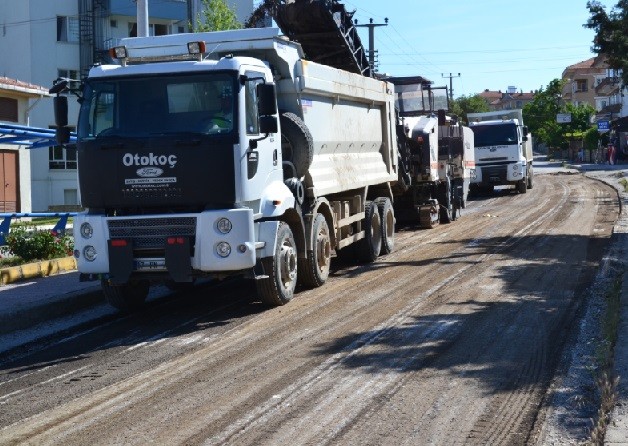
x,y
195,50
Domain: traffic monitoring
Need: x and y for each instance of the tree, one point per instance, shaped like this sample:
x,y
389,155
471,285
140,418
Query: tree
x,y
540,116
611,38
218,17
464,105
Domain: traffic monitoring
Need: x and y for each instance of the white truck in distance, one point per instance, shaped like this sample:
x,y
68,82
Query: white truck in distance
x,y
228,153
503,150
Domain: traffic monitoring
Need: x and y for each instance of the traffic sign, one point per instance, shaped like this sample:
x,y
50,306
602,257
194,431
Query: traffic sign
x,y
603,126
563,118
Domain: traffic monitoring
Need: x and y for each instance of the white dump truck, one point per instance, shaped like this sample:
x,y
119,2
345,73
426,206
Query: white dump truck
x,y
503,150
437,157
214,154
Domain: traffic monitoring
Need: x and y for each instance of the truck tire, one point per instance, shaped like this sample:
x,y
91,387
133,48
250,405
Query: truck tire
x,y
315,267
387,216
368,248
277,288
297,145
522,186
127,297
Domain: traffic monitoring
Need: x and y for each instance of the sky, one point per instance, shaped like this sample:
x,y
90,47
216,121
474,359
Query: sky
x,y
492,44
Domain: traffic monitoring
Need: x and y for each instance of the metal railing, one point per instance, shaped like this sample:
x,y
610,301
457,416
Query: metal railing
x,y
59,227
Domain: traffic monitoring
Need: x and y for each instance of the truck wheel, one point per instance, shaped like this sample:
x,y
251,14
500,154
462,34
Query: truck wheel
x,y
370,246
316,267
297,145
522,186
281,269
387,216
127,297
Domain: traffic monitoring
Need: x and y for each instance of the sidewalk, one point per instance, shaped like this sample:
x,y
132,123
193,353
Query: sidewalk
x,y
27,298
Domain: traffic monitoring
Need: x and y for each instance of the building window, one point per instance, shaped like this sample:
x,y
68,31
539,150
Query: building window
x,y
153,29
158,30
581,85
62,158
181,29
70,197
8,109
67,29
113,23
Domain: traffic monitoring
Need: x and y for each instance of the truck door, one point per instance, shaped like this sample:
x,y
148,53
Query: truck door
x,y
262,157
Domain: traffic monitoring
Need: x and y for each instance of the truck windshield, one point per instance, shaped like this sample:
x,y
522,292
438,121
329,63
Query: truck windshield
x,y
494,135
414,99
145,106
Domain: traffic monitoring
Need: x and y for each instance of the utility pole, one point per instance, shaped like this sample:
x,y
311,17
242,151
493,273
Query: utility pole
x,y
451,84
142,18
371,26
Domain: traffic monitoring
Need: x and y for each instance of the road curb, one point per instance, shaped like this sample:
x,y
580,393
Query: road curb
x,y
617,429
43,268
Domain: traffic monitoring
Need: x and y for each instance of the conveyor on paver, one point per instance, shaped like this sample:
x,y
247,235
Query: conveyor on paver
x,y
325,30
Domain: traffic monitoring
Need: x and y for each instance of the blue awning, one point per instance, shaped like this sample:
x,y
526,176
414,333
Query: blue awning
x,y
32,137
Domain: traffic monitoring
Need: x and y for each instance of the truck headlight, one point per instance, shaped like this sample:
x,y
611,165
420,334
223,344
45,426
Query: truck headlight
x,y
86,230
89,252
223,249
515,167
224,225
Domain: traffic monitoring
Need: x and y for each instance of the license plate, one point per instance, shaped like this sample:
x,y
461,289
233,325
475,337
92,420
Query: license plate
x,y
150,264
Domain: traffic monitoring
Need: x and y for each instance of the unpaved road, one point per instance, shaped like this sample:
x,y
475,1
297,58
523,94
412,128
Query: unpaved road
x,y
451,339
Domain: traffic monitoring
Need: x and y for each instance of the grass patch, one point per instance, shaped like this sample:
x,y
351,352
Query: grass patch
x,y
606,381
624,183
11,261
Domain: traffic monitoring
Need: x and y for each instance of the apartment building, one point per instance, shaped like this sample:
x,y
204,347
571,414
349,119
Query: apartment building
x,y
41,40
592,82
508,100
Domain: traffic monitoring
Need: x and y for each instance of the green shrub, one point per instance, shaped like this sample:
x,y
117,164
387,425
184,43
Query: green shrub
x,y
32,244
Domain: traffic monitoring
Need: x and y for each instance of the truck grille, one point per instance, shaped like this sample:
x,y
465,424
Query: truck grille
x,y
151,233
495,174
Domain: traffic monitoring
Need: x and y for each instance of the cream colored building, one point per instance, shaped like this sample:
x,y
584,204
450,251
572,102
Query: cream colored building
x,y
16,101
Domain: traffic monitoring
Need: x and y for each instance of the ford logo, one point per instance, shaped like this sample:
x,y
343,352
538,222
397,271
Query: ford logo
x,y
149,172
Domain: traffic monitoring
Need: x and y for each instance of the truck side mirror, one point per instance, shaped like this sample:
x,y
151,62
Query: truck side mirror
x,y
266,102
524,138
525,130
60,104
267,124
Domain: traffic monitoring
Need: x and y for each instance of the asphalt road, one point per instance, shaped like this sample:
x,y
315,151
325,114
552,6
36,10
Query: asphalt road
x,y
453,338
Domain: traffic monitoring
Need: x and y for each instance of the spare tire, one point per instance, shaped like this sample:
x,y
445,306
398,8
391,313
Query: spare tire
x,y
297,145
